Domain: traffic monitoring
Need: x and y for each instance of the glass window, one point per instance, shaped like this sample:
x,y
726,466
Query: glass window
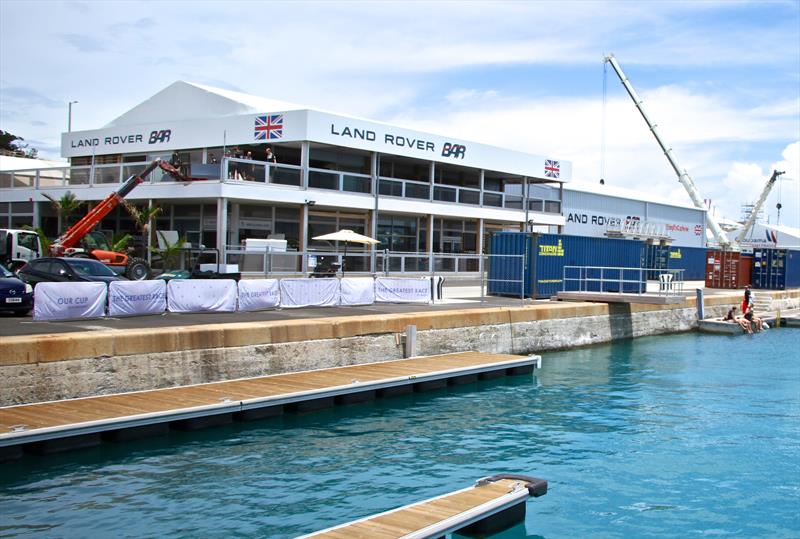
x,y
46,266
89,267
357,184
391,188
290,231
323,180
251,210
537,190
460,176
18,221
415,190
404,168
290,214
22,207
552,206
491,199
469,197
284,155
455,236
339,159
444,194
397,233
187,210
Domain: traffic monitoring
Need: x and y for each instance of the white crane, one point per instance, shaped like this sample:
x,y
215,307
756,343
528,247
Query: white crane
x,y
754,212
683,176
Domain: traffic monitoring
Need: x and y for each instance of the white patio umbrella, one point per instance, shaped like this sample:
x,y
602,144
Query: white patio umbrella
x,y
347,236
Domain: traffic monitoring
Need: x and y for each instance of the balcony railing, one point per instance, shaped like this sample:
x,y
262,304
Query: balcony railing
x,y
271,262
242,170
339,181
83,176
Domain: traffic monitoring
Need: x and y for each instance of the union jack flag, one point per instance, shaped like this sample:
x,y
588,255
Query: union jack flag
x,y
552,169
269,127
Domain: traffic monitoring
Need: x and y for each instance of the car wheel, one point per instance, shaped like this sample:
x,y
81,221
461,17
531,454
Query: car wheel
x,y
137,270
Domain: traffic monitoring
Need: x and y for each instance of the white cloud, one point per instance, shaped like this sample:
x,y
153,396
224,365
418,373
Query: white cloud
x,y
704,131
513,74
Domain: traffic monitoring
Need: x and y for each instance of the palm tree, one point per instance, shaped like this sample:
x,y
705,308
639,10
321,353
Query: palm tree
x,y
143,217
120,241
65,207
170,253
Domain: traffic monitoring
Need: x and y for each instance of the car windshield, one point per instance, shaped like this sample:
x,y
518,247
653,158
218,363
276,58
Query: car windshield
x,y
89,267
4,272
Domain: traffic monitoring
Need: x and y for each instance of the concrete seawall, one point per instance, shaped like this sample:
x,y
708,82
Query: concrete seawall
x,y
63,366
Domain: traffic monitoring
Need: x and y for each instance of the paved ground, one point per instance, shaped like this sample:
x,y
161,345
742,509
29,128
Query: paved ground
x,y
456,296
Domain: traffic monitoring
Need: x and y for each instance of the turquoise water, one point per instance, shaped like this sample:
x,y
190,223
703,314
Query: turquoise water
x,y
679,436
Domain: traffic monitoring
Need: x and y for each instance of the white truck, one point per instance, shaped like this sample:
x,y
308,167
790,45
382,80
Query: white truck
x,y
18,247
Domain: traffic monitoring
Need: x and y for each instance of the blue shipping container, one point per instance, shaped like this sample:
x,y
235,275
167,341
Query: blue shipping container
x,y
692,260
776,269
533,265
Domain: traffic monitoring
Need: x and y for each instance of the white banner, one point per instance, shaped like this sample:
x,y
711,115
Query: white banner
x,y
61,301
255,294
130,298
322,292
389,290
358,291
198,295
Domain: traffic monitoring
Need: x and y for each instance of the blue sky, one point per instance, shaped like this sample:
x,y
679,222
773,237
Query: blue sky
x,y
721,79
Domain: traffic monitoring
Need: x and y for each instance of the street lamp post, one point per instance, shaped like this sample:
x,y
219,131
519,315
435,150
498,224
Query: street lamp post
x,y
69,116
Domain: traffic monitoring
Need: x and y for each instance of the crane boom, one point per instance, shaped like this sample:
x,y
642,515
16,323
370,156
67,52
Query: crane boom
x,y
76,232
683,176
754,212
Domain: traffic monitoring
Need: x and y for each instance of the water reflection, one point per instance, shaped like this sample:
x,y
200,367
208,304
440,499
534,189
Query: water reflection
x,y
653,437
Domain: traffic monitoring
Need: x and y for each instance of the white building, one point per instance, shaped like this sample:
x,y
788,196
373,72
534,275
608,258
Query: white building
x,y
432,201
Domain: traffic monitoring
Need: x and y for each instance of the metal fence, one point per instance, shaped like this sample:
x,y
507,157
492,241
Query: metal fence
x,y
268,261
620,280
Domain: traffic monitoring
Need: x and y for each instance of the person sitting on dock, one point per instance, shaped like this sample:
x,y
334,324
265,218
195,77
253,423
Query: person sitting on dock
x,y
753,319
731,316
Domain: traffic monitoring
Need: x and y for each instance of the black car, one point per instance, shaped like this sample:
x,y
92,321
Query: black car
x,y
66,269
15,295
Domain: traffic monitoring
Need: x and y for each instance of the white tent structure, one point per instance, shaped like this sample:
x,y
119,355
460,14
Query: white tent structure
x,y
765,235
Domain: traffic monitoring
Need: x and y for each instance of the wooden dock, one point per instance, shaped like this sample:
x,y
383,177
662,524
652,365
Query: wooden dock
x,y
616,297
491,505
54,426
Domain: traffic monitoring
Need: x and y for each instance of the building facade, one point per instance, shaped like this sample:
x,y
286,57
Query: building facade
x,y
432,201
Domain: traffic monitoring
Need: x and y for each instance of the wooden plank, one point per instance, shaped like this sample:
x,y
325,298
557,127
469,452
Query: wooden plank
x,y
415,517
178,399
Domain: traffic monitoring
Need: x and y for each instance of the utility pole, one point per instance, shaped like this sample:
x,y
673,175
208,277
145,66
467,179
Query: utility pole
x,y
69,116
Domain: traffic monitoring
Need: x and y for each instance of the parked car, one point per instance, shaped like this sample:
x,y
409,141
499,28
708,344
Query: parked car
x,y
15,295
66,269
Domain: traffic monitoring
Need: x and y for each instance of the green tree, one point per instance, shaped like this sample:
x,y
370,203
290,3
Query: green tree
x,y
65,207
170,254
12,143
120,241
143,217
